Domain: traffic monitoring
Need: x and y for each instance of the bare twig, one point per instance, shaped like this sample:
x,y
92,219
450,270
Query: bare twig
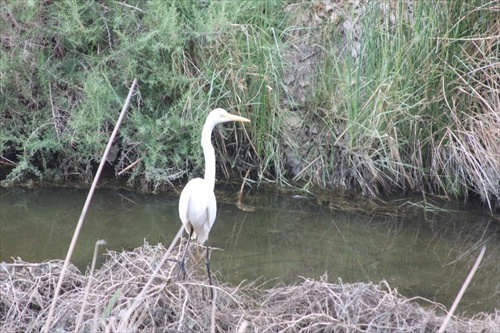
x,y
127,199
89,282
53,111
130,166
86,207
240,193
212,314
6,161
129,6
462,290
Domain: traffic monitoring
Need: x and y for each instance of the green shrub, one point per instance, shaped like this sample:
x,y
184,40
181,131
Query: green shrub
x,y
66,67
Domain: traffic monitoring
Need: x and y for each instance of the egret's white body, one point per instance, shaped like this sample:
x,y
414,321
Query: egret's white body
x,y
197,204
198,208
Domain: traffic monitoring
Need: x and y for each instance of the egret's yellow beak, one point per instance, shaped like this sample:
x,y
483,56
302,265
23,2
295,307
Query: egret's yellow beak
x,y
233,117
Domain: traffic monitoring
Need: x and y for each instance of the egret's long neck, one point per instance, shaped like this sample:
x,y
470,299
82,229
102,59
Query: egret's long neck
x,y
209,154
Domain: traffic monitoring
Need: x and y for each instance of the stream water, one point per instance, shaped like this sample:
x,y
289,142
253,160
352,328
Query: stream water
x,y
276,238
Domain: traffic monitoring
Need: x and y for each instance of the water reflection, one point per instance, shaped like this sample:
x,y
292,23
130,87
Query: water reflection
x,y
283,239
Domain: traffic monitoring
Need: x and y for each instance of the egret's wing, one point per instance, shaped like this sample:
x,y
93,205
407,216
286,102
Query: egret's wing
x,y
184,201
211,213
198,208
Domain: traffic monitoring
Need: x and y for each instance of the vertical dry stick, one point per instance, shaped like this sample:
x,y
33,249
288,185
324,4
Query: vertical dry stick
x,y
462,290
240,193
53,111
89,282
212,321
86,207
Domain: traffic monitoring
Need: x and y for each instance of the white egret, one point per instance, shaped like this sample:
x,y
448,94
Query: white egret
x,y
197,205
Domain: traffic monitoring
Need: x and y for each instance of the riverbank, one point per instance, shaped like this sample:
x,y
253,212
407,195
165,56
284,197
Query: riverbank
x,y
377,97
171,304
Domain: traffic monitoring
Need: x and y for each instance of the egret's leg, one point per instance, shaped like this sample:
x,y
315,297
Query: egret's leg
x,y
182,269
209,274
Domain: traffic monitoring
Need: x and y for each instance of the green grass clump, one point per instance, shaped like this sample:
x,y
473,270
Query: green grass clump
x,y
400,90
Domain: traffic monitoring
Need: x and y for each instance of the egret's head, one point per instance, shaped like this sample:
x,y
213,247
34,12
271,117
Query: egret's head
x,y
219,115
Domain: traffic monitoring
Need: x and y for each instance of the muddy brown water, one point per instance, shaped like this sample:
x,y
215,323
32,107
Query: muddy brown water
x,y
283,239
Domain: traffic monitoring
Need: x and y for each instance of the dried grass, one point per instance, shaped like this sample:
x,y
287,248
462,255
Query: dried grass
x,y
171,305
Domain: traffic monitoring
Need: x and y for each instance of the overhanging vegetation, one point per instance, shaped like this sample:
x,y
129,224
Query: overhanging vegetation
x,y
378,96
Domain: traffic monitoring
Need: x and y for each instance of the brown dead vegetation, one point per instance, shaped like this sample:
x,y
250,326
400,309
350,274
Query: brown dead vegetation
x,y
173,305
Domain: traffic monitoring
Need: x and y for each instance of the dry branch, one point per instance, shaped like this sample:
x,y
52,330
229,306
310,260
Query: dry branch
x,y
86,207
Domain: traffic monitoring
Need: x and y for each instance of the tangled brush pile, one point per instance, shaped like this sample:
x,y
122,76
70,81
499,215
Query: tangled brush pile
x,y
174,305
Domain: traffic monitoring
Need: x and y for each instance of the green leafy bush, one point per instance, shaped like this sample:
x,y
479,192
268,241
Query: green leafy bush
x,y
66,67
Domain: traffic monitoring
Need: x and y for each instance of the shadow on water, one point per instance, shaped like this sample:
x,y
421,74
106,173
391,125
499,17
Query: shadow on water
x,y
282,240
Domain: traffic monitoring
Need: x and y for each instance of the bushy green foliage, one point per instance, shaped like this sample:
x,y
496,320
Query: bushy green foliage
x,y
66,67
